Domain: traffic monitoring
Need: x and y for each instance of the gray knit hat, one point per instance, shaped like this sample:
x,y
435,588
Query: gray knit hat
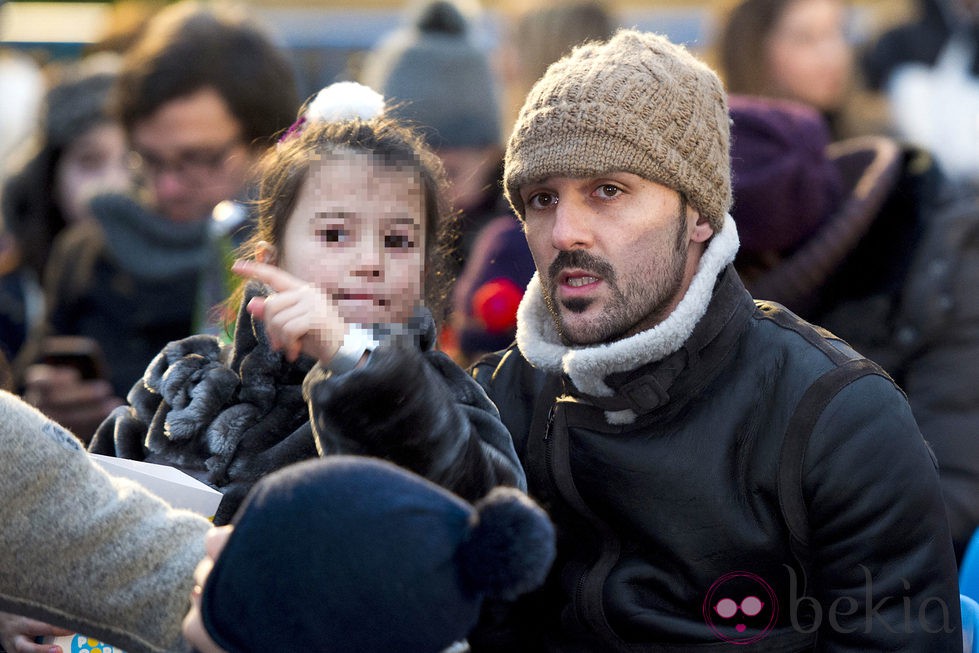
x,y
636,103
437,75
77,98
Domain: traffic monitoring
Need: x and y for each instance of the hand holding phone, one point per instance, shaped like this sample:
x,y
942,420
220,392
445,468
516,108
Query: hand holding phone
x,y
68,384
78,352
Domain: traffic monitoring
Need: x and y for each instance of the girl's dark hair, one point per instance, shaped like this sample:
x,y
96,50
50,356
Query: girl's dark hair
x,y
284,169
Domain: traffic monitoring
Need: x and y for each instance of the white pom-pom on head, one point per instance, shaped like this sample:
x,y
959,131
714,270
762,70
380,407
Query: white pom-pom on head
x,y
345,101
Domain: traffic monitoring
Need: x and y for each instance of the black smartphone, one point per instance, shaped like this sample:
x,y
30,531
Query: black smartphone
x,y
79,352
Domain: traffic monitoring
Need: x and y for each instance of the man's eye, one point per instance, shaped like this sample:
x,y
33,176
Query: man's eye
x,y
608,190
542,200
398,241
331,235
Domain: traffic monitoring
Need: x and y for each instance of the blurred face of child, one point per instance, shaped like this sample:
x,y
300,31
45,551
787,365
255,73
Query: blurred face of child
x,y
809,58
358,234
93,163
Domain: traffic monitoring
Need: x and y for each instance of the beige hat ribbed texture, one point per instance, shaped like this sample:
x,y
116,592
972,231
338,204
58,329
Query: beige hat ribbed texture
x,y
637,103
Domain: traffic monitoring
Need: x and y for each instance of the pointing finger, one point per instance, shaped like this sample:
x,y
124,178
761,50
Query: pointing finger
x,y
276,278
256,307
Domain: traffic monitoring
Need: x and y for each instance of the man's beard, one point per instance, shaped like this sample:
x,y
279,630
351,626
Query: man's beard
x,y
643,303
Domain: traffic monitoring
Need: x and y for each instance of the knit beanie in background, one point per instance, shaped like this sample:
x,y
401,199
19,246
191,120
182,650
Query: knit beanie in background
x,y
77,99
348,553
543,34
637,103
785,184
434,74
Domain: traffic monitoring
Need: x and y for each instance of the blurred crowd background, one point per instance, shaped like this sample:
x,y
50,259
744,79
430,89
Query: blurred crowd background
x,y
327,39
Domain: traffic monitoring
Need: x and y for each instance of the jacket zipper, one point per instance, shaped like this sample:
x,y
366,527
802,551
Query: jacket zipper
x,y
547,427
580,584
578,600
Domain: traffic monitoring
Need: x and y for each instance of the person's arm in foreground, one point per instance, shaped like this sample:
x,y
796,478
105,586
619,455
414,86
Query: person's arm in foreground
x,y
83,550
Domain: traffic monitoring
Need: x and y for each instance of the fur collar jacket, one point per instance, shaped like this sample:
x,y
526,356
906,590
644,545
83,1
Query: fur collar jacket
x,y
229,415
226,415
744,442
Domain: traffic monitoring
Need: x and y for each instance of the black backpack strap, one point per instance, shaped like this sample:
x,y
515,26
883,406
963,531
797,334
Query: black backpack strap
x,y
796,440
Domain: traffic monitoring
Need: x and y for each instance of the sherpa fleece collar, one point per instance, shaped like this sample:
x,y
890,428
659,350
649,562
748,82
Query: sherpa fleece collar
x,y
587,367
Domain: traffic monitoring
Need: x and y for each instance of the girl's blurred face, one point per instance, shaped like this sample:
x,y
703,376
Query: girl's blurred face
x,y
809,59
93,163
358,233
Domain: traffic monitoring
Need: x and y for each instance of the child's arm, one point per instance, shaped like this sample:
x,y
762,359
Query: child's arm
x,y
81,549
420,411
298,317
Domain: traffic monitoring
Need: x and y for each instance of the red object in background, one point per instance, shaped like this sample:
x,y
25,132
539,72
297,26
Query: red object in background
x,y
495,304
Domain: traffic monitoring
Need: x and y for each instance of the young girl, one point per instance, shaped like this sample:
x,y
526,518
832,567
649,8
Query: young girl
x,y
333,346
332,353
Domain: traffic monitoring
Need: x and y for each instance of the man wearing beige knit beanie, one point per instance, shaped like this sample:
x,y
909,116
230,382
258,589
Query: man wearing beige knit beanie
x,y
719,470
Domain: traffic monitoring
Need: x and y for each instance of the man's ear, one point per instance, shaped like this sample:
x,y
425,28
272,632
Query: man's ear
x,y
702,231
266,253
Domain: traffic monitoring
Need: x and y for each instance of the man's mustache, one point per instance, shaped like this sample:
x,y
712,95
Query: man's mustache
x,y
579,259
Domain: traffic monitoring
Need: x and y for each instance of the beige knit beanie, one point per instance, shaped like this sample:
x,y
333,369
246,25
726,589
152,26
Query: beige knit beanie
x,y
638,104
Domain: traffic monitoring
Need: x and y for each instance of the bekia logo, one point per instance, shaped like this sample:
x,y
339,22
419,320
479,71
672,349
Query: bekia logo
x,y
740,608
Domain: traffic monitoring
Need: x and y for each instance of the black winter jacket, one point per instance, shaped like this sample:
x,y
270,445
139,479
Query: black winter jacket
x,y
229,415
667,500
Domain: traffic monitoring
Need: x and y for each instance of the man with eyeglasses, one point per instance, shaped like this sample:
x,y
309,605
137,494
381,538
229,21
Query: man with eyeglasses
x,y
201,95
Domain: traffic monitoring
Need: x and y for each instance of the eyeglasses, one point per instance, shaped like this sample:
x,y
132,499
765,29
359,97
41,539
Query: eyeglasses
x,y
192,166
750,606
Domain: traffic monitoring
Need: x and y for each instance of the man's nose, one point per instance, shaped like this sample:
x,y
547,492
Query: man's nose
x,y
573,227
169,185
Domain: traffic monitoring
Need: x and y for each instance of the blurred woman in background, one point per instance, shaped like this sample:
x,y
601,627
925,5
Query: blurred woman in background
x,y
790,49
78,150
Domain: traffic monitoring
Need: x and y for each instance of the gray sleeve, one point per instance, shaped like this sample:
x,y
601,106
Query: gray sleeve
x,y
83,550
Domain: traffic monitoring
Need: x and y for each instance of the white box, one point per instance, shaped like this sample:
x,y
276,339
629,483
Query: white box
x,y
175,487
